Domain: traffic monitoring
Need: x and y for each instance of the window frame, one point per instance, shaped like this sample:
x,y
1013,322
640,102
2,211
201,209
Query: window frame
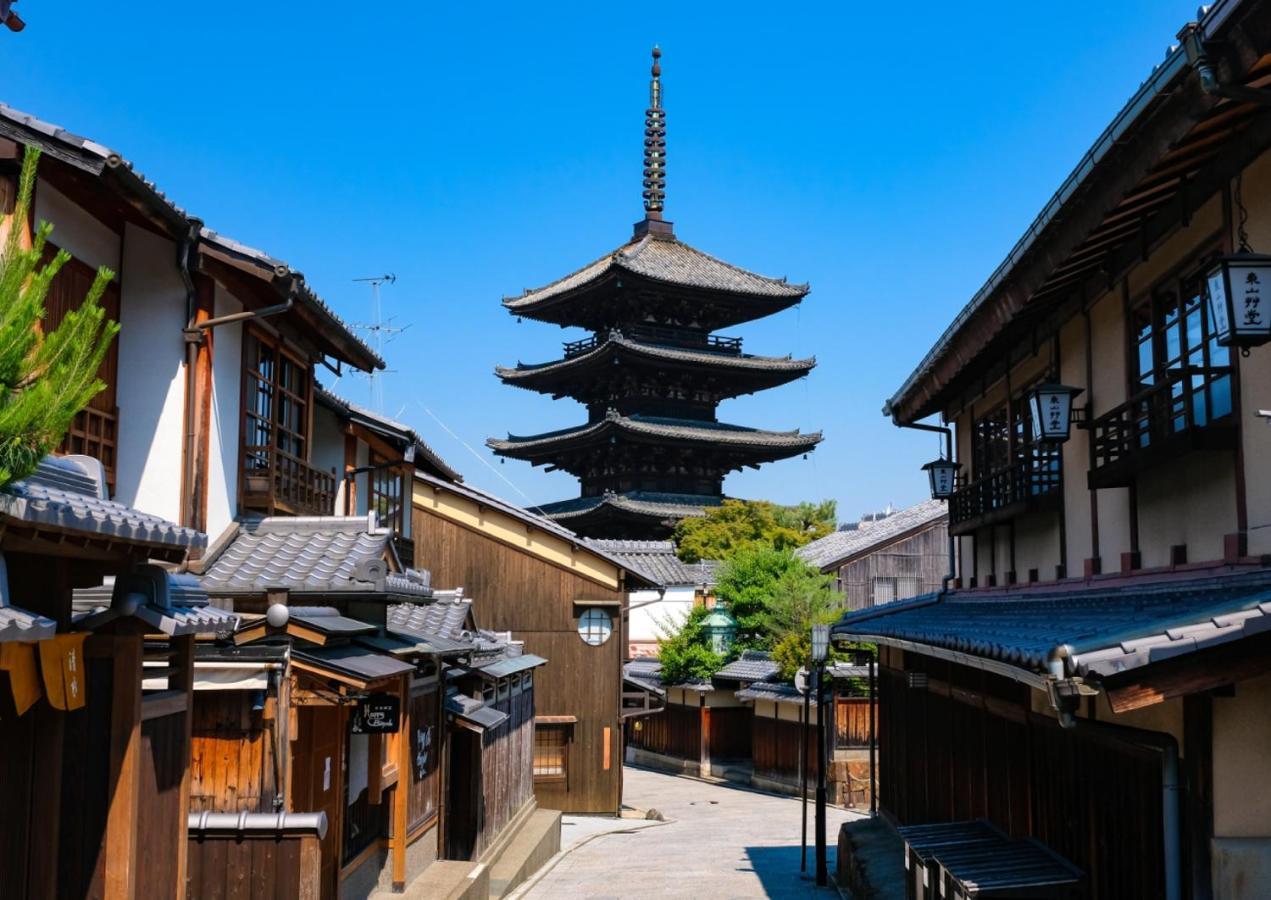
x,y
250,418
566,738
589,630
385,473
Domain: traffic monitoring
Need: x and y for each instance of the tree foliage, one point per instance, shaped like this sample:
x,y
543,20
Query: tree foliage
x,y
738,525
684,649
772,592
45,377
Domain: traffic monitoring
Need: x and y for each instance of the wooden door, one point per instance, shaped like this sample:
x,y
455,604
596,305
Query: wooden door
x,y
316,782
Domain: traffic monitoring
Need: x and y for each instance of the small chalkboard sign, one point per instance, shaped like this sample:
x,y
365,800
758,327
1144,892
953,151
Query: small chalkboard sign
x,y
377,714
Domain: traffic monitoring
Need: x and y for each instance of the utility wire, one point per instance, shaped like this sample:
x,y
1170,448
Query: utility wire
x,y
481,459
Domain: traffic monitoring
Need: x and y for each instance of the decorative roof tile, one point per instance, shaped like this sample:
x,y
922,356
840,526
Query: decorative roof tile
x,y
753,665
843,545
777,692
665,429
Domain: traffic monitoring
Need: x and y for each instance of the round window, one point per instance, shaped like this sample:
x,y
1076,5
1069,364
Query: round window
x,y
595,626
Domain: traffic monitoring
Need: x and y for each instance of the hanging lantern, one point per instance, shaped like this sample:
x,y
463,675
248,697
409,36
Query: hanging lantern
x,y
1239,302
1051,408
943,474
820,642
721,629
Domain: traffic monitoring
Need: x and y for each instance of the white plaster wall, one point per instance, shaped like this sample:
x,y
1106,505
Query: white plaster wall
x,y
327,453
225,425
645,623
76,231
1242,733
151,376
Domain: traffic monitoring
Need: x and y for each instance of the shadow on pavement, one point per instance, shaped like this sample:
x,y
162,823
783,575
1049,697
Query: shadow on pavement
x,y
777,869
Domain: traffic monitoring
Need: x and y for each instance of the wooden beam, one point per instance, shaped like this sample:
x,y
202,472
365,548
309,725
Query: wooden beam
x,y
1192,674
401,791
182,680
125,767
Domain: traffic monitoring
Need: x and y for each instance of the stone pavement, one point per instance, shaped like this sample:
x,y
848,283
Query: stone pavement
x,y
719,841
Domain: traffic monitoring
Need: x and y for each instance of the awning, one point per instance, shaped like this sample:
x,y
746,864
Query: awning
x,y
1091,630
472,712
351,661
509,665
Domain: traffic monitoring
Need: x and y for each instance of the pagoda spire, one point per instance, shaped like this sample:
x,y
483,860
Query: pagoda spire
x,y
654,152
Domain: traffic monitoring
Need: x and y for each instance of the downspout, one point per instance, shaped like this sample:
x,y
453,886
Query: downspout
x,y
1059,666
185,251
948,454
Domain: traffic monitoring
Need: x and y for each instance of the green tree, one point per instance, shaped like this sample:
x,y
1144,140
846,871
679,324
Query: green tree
x,y
737,525
684,649
771,592
45,377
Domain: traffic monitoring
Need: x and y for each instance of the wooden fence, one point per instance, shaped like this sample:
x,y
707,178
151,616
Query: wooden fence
x,y
851,722
676,731
255,856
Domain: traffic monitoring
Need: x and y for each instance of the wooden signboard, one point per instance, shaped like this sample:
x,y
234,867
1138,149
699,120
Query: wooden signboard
x,y
377,714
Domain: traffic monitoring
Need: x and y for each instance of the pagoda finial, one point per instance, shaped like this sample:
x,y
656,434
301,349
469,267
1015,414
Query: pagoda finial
x,y
655,144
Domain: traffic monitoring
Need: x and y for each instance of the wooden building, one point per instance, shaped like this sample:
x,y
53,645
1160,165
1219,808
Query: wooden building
x,y
893,555
1099,679
653,372
96,767
567,601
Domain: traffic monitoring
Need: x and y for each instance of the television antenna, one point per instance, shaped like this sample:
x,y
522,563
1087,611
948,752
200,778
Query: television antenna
x,y
380,331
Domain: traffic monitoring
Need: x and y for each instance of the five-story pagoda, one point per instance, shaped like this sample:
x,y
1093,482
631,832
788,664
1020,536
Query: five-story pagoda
x,y
653,372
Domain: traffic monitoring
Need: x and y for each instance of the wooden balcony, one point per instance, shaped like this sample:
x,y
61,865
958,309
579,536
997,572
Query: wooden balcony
x,y
666,337
1189,409
95,432
275,481
1029,484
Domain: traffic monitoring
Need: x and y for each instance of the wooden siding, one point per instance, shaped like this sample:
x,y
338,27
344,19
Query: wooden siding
x,y
675,731
232,759
775,747
253,868
978,751
425,745
729,733
507,778
923,557
161,812
851,722
514,590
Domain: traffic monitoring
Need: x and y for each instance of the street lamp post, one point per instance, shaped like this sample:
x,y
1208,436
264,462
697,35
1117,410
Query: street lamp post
x,y
820,649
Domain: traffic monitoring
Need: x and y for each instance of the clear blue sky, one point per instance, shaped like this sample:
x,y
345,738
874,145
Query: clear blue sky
x,y
890,155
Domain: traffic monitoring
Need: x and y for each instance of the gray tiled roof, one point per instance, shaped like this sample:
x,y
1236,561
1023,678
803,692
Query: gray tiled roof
x,y
754,665
657,559
642,503
472,710
20,625
68,493
1107,628
644,672
616,340
309,555
382,424
669,261
778,692
354,659
171,602
666,429
842,545
328,621
442,618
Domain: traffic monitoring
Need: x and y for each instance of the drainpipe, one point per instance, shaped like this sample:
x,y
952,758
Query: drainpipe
x,y
948,454
185,251
1065,691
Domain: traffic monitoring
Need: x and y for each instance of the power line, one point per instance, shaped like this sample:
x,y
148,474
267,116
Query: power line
x,y
481,459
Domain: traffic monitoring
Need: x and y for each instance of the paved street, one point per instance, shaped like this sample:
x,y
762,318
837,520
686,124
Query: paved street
x,y
718,842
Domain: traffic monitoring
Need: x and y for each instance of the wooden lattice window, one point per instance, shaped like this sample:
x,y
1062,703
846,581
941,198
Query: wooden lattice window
x,y
387,492
551,752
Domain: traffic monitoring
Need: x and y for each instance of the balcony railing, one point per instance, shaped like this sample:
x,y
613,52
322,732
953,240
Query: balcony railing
x,y
1188,409
1030,483
667,337
275,481
95,432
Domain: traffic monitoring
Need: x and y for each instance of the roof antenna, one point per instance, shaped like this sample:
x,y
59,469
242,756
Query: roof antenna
x,y
377,328
654,156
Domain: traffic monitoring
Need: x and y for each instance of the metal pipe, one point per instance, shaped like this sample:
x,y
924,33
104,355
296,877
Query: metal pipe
x,y
262,313
872,662
822,873
803,774
948,454
1171,831
184,250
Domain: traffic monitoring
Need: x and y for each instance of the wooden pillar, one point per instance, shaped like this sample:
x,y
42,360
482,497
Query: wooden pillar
x,y
125,767
401,791
704,757
182,679
45,820
198,411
